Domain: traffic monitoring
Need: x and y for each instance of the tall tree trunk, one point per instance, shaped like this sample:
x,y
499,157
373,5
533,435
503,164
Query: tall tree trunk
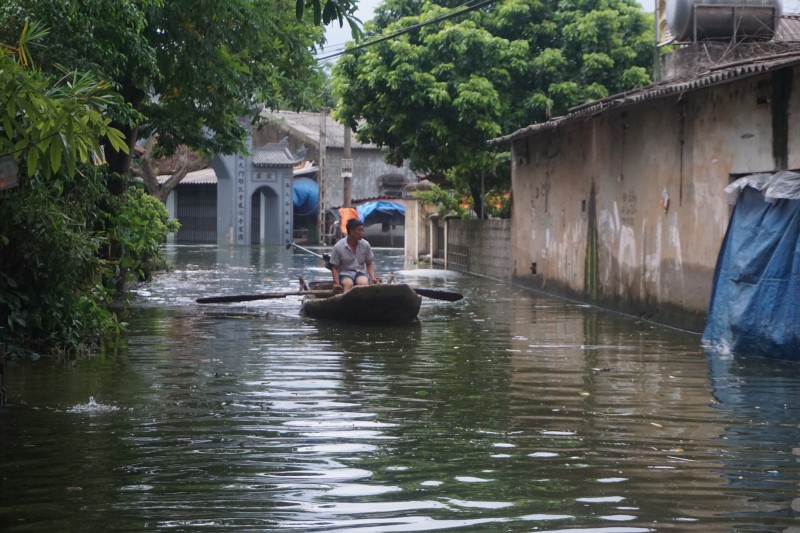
x,y
119,165
477,202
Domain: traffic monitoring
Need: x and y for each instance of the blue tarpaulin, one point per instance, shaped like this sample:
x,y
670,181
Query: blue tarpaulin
x,y
381,213
755,300
305,196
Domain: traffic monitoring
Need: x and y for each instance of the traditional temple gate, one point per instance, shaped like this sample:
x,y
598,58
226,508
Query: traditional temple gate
x,y
254,195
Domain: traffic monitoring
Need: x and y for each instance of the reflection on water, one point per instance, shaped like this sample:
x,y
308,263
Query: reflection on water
x,y
506,411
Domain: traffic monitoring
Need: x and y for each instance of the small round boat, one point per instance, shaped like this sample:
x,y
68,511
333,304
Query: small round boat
x,y
367,304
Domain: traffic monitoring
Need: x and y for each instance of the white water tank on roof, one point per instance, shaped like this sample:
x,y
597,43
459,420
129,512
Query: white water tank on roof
x,y
698,20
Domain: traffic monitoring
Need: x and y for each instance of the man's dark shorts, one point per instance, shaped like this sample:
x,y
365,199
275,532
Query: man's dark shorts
x,y
353,278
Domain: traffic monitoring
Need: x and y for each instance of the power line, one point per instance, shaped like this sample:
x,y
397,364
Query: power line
x,y
415,27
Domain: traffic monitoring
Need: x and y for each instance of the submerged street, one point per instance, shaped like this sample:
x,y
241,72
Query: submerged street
x,y
505,411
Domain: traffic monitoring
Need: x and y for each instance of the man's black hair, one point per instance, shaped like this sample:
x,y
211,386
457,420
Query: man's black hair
x,y
352,224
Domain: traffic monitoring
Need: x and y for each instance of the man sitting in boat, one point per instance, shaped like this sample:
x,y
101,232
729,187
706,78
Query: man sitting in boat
x,y
351,259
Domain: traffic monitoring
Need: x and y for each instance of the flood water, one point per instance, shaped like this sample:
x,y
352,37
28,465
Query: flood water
x,y
506,411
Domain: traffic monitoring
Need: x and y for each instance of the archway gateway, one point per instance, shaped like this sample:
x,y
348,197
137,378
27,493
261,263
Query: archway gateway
x,y
265,206
254,195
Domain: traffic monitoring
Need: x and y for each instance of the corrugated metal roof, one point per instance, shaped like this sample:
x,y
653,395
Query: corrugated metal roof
x,y
307,126
276,155
205,176
788,29
712,75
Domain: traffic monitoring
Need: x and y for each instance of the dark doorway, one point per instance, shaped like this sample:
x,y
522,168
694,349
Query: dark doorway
x,y
196,209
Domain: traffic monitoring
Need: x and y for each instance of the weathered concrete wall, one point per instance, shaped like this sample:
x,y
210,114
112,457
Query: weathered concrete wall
x,y
417,234
479,247
303,131
369,167
590,215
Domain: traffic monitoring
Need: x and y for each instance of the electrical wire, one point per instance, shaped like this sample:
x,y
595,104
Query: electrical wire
x,y
415,27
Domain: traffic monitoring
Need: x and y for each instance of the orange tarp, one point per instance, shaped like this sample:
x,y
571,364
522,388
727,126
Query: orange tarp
x,y
345,214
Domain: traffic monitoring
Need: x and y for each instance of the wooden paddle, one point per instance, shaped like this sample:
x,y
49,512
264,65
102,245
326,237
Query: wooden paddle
x,y
436,294
232,298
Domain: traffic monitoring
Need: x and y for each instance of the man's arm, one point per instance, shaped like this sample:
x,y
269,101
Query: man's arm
x,y
370,265
371,271
333,261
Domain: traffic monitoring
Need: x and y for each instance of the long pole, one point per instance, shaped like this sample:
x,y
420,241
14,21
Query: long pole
x,y
347,170
656,30
321,207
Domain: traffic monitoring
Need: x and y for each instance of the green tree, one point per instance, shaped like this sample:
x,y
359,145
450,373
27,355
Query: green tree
x,y
183,71
436,93
52,296
49,125
65,239
187,71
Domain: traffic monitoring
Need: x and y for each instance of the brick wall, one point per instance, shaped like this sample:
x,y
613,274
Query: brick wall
x,y
480,247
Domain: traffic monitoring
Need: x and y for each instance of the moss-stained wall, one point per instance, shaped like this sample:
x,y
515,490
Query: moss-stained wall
x,y
626,209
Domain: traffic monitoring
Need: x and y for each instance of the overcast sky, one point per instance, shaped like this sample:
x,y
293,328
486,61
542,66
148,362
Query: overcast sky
x,y
336,37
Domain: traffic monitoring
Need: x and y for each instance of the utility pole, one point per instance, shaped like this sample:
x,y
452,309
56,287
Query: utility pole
x,y
657,31
321,208
347,170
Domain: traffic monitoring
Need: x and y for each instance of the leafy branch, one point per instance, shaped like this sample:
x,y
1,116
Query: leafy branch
x,y
57,125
